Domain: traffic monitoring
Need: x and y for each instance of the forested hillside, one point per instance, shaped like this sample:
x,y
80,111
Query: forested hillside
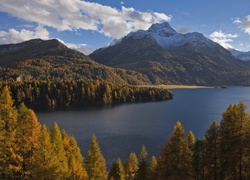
x,y
29,150
51,60
79,93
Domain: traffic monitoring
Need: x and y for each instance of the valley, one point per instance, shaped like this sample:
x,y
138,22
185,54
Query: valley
x,y
124,90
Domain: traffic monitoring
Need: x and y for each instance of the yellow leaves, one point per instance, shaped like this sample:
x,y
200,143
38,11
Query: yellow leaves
x,y
95,162
131,166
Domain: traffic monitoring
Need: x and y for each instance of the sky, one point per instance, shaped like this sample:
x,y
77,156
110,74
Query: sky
x,y
89,25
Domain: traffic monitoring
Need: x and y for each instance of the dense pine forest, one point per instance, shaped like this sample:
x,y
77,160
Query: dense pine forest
x,y
61,94
29,150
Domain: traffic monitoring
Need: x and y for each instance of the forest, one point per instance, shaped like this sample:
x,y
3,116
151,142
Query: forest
x,y
61,94
29,150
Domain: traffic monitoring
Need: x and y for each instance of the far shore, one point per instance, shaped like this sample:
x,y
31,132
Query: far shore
x,y
183,87
176,86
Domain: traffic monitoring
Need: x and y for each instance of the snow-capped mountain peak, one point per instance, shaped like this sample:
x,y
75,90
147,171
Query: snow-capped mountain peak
x,y
163,30
167,37
198,39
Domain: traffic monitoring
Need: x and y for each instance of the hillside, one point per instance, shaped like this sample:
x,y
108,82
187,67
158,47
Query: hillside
x,y
244,56
168,57
39,59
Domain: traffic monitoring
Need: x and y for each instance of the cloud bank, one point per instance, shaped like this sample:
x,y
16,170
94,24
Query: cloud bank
x,y
76,14
14,36
79,47
223,39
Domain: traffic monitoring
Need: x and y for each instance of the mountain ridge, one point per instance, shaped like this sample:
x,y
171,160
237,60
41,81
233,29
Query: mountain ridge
x,y
50,59
244,56
168,57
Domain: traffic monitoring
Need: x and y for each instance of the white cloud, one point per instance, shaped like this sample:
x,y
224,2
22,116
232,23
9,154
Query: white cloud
x,y
245,26
14,36
79,47
85,50
223,39
78,14
236,20
75,46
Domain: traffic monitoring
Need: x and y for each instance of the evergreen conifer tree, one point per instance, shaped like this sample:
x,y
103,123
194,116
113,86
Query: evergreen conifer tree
x,y
152,169
233,155
28,131
211,154
198,159
10,159
174,161
57,141
45,164
95,162
189,148
131,166
143,164
75,158
117,171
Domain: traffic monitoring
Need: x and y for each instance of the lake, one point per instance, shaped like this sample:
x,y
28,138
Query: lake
x,y
122,129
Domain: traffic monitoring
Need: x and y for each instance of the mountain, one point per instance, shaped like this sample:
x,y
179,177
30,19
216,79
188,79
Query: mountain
x,y
39,59
244,56
168,57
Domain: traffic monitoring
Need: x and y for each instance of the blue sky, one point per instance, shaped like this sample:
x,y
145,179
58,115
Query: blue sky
x,y
95,23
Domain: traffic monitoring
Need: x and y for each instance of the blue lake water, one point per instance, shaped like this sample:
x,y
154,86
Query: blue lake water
x,y
123,129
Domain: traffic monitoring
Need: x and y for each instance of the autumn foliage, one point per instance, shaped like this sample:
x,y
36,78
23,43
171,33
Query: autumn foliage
x,y
29,150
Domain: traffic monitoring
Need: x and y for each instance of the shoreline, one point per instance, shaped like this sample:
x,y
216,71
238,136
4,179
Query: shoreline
x,y
176,86
183,87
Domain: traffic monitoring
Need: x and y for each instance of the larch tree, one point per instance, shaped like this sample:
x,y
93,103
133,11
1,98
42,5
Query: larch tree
x,y
189,148
174,160
190,139
107,96
211,154
28,131
117,170
152,169
10,159
45,159
143,164
131,166
233,133
95,162
247,148
57,141
198,158
75,158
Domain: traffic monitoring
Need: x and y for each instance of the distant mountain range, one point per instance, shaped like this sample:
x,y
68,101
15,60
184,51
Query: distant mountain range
x,y
158,55
244,56
168,57
52,60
